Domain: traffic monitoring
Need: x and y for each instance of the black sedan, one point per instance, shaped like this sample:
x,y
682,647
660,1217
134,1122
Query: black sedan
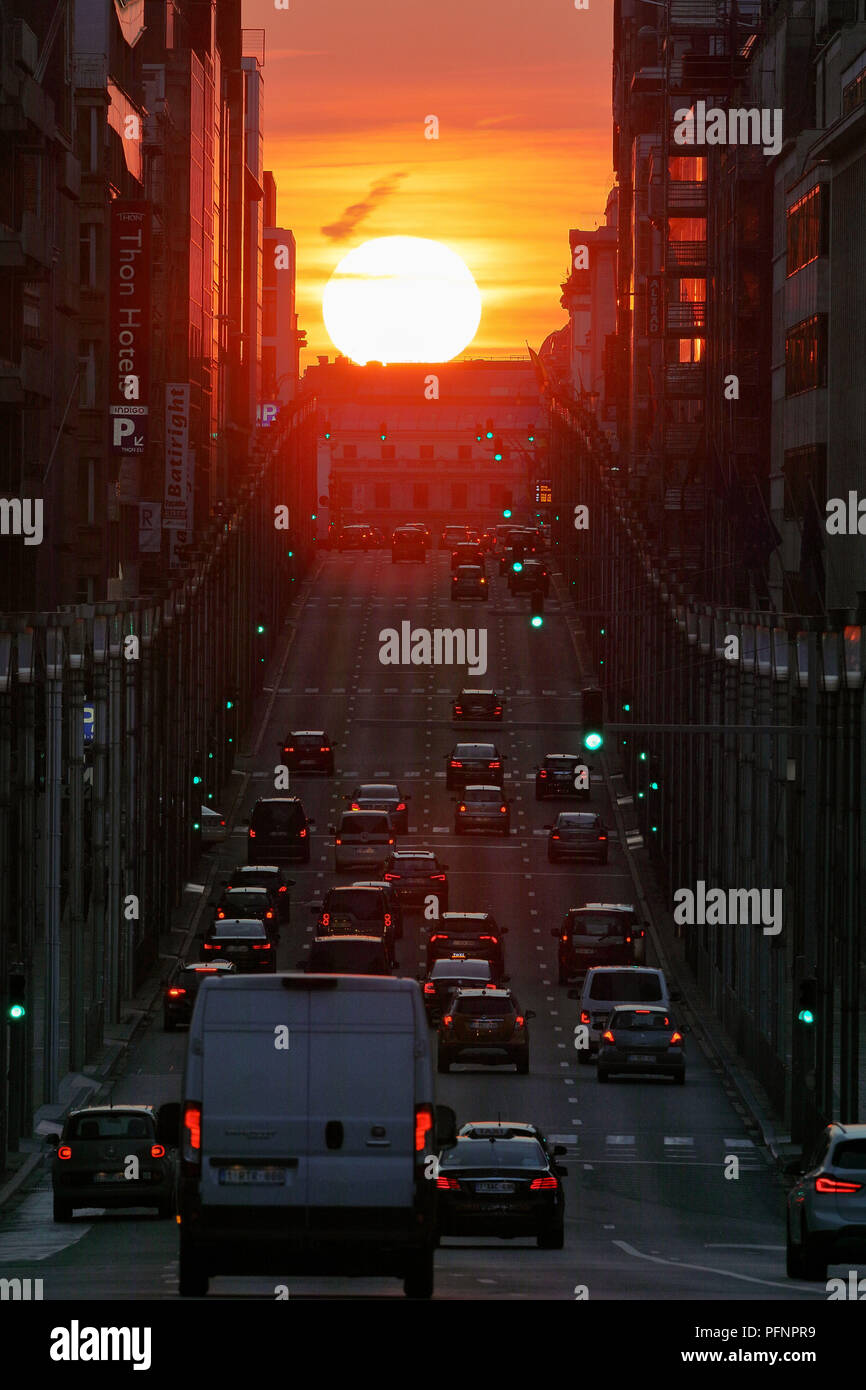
x,y
447,976
417,874
579,833
308,750
264,876
250,902
182,988
510,1129
246,943
382,796
641,1041
477,707
558,776
501,1187
474,762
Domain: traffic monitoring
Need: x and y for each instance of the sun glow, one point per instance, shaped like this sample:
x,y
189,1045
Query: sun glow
x,y
401,299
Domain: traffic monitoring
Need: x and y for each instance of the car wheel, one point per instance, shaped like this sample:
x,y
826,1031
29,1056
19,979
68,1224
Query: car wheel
x,y
168,1024
552,1240
443,1064
418,1279
603,1074
522,1065
193,1281
62,1210
793,1257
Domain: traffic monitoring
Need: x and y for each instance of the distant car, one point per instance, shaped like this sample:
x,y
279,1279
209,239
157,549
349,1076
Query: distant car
x,y
453,535
393,900
279,831
532,577
308,750
246,942
509,1129
501,1187
467,553
445,977
91,1166
356,911
213,826
362,838
249,902
346,955
477,707
355,537
641,1039
467,936
826,1207
474,762
607,986
599,934
377,537
417,874
419,526
180,993
482,808
484,1020
579,833
469,581
557,776
407,543
382,796
265,876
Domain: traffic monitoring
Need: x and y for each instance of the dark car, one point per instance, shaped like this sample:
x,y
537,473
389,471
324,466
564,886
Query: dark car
x,y
417,874
408,544
446,977
245,942
92,1166
453,535
643,1040
279,831
501,1187
235,903
393,900
265,876
308,750
467,936
826,1206
346,955
484,1021
474,762
557,776
532,576
467,553
469,581
510,1129
355,537
356,911
180,993
599,934
579,833
478,707
382,796
418,526
482,808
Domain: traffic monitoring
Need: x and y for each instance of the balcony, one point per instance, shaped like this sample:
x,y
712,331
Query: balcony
x,y
687,319
689,255
686,380
687,198
682,438
704,16
18,379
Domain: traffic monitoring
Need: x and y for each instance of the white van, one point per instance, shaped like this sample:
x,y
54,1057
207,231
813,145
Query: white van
x,y
308,1115
605,986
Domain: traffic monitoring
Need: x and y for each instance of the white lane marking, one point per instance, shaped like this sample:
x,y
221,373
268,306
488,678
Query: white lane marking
x,y
676,1139
738,1143
193,887
441,829
338,690
705,1269
311,690
729,1245
620,1139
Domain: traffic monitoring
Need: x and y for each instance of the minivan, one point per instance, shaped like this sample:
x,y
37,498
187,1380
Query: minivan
x,y
605,986
362,839
307,1122
279,831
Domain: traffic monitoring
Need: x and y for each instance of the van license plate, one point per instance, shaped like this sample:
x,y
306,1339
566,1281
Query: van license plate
x,y
639,1057
494,1187
232,1176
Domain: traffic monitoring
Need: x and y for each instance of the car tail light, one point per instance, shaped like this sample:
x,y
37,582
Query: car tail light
x,y
458,709
390,877
303,833
269,915
64,1151
456,763
438,936
498,709
325,748
401,806
503,809
564,936
429,988
675,1040
463,808
546,1182
602,837
628,941
448,1184
222,822
487,938
157,1151
387,919
326,919
835,1185
174,993
554,837
391,842
283,889
447,1020
483,581
338,842
220,914
496,764
607,1036
252,833
584,1016
257,947
542,774
191,1135
423,1126
209,946
520,1021
437,878
289,750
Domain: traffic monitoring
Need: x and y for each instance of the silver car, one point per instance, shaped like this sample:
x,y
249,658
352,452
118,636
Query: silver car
x,y
362,838
826,1219
469,581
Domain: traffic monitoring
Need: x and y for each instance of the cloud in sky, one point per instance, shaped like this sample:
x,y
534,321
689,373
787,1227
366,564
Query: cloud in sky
x,y
356,213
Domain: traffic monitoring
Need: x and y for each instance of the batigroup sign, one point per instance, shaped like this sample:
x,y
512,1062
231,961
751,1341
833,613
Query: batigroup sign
x,y
129,312
177,511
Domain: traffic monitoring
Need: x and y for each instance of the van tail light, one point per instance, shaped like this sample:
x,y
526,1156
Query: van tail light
x,y
157,1151
429,988
447,1020
326,919
437,878
584,1016
607,1036
447,1184
191,1136
390,877
548,1181
302,834
423,1126
675,1040
64,1151
834,1185
175,993
554,837
252,833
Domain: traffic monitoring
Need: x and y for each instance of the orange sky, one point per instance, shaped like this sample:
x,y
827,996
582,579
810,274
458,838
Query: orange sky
x,y
521,89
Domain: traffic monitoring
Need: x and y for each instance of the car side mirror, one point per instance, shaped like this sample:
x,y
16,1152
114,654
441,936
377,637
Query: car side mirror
x,y
530,1013
574,994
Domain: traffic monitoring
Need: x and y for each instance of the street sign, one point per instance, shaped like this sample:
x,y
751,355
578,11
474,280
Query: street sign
x,y
89,723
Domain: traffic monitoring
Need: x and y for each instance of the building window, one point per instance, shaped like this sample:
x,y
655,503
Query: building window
x,y
88,266
87,375
806,230
420,495
389,452
459,496
87,491
806,355
854,94
464,452
383,496
426,451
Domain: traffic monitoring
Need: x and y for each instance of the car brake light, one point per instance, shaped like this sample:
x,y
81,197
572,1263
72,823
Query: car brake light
x,y
387,919
303,833
447,1020
834,1185
554,837
283,889
325,748
157,1151
608,1036
289,750
456,763
261,948
462,808
496,764
675,1040
584,1016
547,1181
503,809
220,914
483,581
448,1184
438,936
542,774
519,1021
390,877
423,1126
209,946
628,941
338,842
458,709
355,806
429,988
326,919
222,822
173,993
390,842
437,878
602,837
64,1151
269,915
191,1134
487,938
401,806
564,936
252,833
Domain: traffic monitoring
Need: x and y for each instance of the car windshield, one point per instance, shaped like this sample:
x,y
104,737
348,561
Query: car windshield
x,y
597,927
232,931
347,955
366,905
111,1126
631,1018
414,866
359,823
240,899
577,820
494,1153
487,1005
455,971
619,985
475,750
307,740
460,926
560,762
285,815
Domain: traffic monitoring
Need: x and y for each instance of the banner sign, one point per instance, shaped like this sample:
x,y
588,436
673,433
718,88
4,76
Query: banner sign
x,y
177,491
129,325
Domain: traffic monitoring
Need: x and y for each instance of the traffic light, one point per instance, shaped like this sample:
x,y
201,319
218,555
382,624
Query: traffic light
x,y
517,566
383,431
16,997
531,437
625,706
497,450
536,608
489,429
808,1001
506,503
327,429
479,434
197,779
593,719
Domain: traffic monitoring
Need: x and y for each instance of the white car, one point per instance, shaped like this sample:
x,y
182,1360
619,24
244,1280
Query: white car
x,y
213,826
606,986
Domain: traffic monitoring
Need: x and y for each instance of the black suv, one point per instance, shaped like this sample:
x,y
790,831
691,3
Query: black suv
x,y
350,911
279,831
264,876
477,706
182,988
250,902
474,762
308,750
467,936
408,544
599,934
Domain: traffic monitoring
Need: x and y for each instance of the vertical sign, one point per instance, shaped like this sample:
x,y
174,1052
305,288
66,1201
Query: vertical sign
x,y
174,513
654,306
129,335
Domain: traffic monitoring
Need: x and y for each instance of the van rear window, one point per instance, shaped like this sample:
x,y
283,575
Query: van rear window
x,y
360,822
277,816
623,987
366,906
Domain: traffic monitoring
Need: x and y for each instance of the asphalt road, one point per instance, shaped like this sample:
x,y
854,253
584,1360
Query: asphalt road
x,y
650,1211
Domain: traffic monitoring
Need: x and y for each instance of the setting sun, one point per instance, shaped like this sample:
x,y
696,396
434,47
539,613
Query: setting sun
x,y
401,299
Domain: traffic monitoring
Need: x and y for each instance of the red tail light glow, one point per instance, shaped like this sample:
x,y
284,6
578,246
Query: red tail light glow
x,y
462,807
175,993
834,1185
389,877
554,837
324,748
542,774
602,837
547,1181
675,1040
584,1016
429,988
289,750
192,1133
503,809
456,763
607,1036
437,878
157,1151
355,806
387,919
303,833
326,919
209,946
496,764
520,1021
448,1184
447,1020
64,1151
438,936
401,806
220,914
252,833
423,1126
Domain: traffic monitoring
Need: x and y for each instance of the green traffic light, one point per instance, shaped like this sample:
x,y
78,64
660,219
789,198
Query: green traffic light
x,y
806,1016
489,434
507,512
230,704
517,566
654,786
291,553
642,757
196,779
497,458
593,742
17,1011
260,628
627,708
536,620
